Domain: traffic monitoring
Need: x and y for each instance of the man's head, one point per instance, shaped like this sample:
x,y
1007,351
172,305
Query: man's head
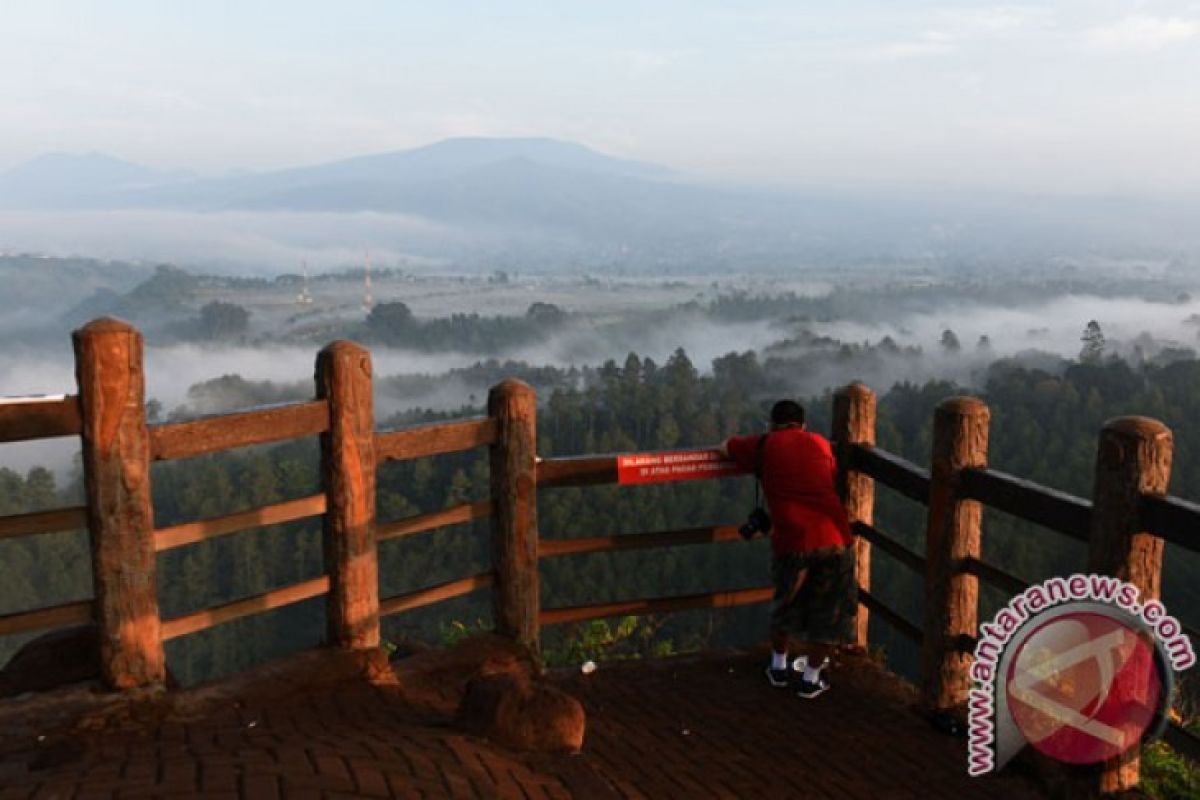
x,y
787,414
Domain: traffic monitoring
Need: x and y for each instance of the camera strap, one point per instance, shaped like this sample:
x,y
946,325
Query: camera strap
x,y
759,447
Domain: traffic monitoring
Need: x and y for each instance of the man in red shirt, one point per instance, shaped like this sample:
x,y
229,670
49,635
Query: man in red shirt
x,y
812,563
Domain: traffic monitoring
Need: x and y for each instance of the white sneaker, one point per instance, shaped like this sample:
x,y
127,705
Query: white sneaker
x,y
799,663
818,685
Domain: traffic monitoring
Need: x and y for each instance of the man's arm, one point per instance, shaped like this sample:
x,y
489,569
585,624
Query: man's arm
x,y
741,450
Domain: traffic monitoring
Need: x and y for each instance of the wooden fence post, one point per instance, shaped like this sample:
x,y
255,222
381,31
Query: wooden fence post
x,y
120,514
515,601
348,475
1133,458
960,440
854,423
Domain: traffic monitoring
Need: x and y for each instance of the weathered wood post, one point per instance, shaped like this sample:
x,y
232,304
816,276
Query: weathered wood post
x,y
515,602
120,515
348,475
960,441
1133,458
854,423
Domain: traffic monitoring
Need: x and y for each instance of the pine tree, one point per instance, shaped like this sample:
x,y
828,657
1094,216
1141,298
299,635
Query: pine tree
x,y
1093,343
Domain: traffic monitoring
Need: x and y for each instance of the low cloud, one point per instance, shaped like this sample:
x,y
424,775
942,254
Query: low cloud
x,y
234,241
1141,33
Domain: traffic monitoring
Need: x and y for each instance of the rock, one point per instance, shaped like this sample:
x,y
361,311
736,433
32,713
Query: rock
x,y
69,655
445,673
493,687
58,658
504,703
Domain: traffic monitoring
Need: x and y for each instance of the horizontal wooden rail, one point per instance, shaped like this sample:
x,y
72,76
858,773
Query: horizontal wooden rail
x,y
577,471
59,519
214,527
420,523
226,431
890,546
1174,519
433,440
77,613
276,598
1029,501
435,594
1182,741
38,418
995,576
909,630
241,429
661,605
893,471
548,548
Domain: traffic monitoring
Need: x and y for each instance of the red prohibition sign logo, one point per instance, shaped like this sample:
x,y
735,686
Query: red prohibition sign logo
x,y
1084,687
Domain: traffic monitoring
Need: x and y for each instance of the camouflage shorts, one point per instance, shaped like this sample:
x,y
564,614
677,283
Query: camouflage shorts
x,y
823,608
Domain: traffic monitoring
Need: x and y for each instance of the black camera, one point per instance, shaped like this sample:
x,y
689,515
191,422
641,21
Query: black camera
x,y
759,521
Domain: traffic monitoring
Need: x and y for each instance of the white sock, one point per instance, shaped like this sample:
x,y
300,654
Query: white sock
x,y
779,660
812,674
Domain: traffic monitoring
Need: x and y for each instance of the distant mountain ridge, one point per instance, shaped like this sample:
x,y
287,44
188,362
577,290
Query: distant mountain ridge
x,y
73,180
358,183
547,202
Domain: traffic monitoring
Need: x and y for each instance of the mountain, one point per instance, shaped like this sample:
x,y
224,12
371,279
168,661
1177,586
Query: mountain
x,y
549,202
100,181
68,180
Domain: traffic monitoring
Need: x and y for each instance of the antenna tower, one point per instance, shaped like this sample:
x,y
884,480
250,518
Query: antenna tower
x,y
368,300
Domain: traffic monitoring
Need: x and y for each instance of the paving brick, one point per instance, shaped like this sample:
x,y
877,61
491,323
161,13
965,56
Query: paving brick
x,y
260,786
218,778
695,728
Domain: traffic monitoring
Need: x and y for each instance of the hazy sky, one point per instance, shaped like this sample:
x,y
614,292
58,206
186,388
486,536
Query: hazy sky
x,y
1077,96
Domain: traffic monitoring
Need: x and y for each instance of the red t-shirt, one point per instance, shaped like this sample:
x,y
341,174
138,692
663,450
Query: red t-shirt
x,y
798,480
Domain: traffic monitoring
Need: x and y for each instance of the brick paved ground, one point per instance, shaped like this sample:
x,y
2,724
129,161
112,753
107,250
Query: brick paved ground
x,y
695,727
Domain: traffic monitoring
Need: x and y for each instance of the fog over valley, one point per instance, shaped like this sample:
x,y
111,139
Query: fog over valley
x,y
438,341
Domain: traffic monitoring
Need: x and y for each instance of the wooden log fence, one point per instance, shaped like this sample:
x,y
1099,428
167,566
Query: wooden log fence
x,y
25,419
952,535
348,475
1032,502
854,426
116,470
59,519
513,458
659,605
216,527
77,613
711,534
226,431
434,440
276,598
1133,461
422,523
1125,523
436,594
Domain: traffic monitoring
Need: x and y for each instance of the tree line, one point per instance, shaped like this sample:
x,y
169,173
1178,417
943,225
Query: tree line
x,y
1044,427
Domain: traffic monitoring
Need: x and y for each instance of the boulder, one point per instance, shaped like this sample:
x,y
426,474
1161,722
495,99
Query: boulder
x,y
440,676
504,703
69,655
58,658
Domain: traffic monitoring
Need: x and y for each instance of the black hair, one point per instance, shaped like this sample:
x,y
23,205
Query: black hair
x,y
787,412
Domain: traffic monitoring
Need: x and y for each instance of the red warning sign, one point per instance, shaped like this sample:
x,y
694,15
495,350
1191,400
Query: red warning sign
x,y
678,465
